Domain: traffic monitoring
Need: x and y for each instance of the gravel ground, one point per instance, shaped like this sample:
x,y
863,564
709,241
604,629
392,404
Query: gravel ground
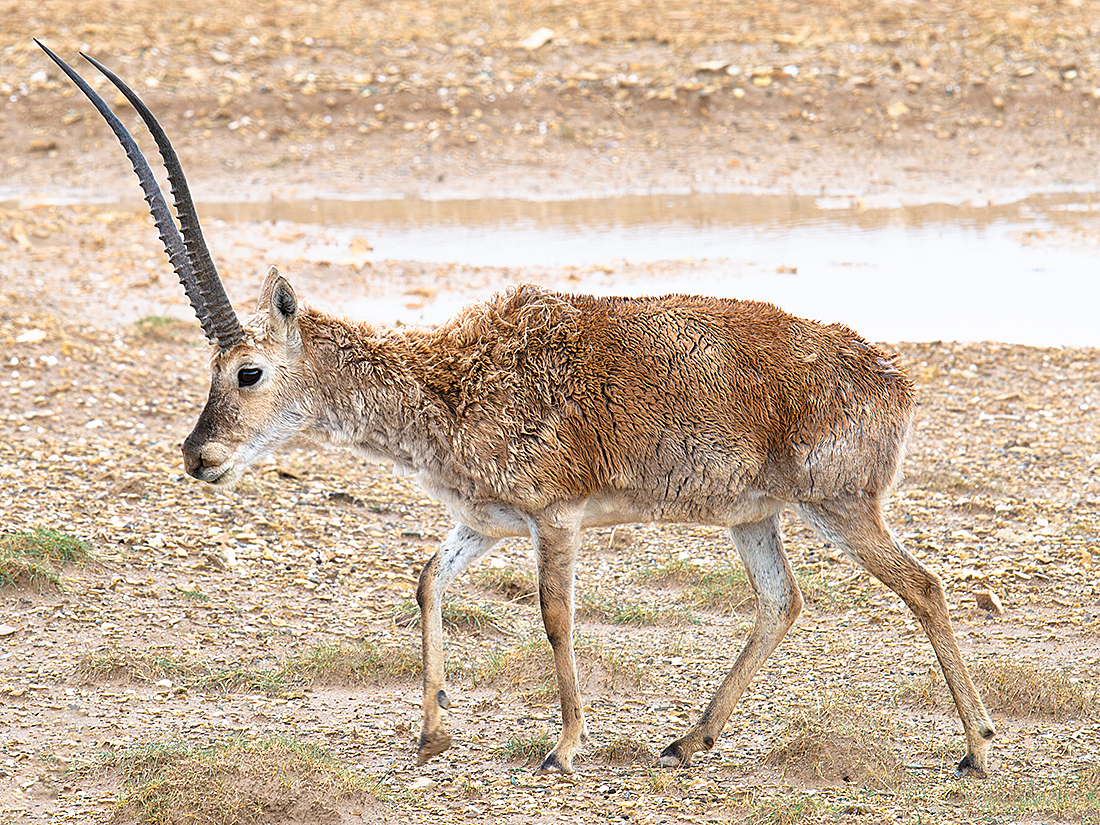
x,y
192,591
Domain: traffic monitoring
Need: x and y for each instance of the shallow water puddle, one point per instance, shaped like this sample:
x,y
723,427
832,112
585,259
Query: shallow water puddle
x,y
1023,270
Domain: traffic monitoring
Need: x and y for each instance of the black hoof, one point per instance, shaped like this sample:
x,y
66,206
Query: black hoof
x,y
551,765
673,756
968,768
432,745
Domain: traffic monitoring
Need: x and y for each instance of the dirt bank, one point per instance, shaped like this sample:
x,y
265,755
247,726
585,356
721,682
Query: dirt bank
x,y
611,96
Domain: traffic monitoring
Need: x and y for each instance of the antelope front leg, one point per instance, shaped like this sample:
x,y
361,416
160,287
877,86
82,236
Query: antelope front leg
x,y
463,546
556,550
778,603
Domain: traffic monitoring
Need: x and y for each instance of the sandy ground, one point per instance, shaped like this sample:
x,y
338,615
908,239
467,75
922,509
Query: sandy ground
x,y
278,100
407,98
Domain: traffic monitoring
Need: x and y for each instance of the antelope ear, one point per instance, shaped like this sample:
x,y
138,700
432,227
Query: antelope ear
x,y
279,303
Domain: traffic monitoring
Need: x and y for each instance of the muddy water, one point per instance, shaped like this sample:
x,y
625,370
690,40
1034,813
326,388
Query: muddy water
x,y
1022,269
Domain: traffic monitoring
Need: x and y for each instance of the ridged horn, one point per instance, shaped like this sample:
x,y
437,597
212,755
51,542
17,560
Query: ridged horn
x,y
189,255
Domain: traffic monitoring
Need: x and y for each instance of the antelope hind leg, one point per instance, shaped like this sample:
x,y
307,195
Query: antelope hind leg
x,y
857,525
462,547
556,550
778,603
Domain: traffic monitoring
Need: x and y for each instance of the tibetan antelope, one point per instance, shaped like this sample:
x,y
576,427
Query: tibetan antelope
x,y
542,414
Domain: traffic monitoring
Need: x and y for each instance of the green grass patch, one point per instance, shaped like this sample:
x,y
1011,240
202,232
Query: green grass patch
x,y
1007,798
794,808
528,749
1077,796
822,593
232,782
129,664
1000,798
37,557
723,588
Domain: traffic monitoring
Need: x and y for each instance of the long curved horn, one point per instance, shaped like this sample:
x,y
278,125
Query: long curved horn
x,y
169,234
188,255
226,326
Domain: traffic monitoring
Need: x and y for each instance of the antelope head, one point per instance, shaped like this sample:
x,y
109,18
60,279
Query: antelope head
x,y
256,400
257,395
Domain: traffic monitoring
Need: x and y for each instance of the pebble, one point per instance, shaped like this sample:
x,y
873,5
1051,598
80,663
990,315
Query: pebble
x,y
990,602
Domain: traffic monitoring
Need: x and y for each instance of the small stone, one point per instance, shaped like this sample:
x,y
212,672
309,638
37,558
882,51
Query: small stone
x,y
31,336
990,602
897,109
537,39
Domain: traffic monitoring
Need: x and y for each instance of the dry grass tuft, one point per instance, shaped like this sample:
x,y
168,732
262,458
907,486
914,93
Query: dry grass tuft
x,y
38,556
840,740
167,328
725,588
236,782
130,664
341,664
624,750
636,614
528,669
661,782
520,586
324,663
1023,689
1014,689
459,615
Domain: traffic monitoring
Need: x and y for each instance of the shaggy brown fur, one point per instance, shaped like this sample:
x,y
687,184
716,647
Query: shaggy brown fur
x,y
541,414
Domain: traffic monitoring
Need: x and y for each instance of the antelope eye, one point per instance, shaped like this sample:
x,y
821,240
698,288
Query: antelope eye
x,y
247,376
